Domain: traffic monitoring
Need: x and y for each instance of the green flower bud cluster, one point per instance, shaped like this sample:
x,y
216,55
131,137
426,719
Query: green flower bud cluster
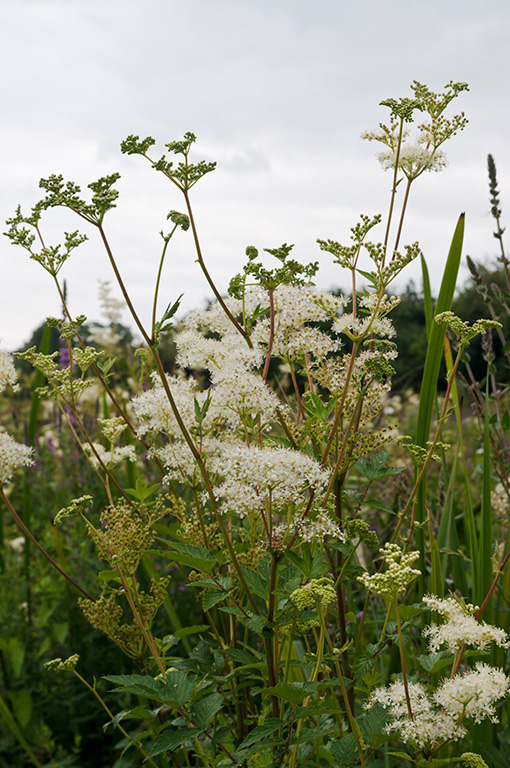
x,y
359,529
419,452
397,575
185,175
290,273
346,256
59,665
473,760
462,330
317,591
51,258
66,330
76,507
113,428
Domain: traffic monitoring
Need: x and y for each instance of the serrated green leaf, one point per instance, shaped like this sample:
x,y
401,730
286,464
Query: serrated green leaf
x,y
344,751
205,709
374,467
256,583
178,688
194,630
260,736
294,693
171,740
142,685
211,599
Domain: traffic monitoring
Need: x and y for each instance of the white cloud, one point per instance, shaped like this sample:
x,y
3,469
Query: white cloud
x,y
277,92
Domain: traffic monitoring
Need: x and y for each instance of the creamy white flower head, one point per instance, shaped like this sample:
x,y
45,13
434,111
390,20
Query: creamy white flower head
x,y
460,627
110,458
394,697
214,317
153,411
254,476
345,322
474,694
8,373
499,500
320,529
13,455
307,340
414,159
429,726
379,326
196,351
428,730
241,393
383,305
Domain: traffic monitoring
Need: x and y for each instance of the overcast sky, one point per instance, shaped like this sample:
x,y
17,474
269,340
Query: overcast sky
x,y
277,91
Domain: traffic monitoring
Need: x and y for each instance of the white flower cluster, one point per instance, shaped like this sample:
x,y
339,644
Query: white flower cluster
x,y
361,327
440,718
413,159
8,374
154,413
474,694
461,627
499,501
12,454
255,477
320,529
110,458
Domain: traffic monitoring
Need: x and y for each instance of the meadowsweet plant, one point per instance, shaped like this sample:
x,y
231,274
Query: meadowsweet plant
x,y
262,469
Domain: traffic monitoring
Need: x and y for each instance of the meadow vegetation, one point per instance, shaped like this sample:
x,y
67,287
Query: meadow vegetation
x,y
272,533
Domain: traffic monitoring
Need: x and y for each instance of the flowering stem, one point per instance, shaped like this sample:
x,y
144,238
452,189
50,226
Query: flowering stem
x,y
122,286
158,280
27,533
478,614
403,661
401,222
441,419
394,187
208,277
339,410
350,716
136,615
271,336
205,475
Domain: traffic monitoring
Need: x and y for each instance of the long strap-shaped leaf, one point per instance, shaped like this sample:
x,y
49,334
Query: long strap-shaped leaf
x,y
431,374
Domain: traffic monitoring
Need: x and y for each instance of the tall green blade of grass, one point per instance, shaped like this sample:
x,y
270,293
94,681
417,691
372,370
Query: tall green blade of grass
x,y
427,295
484,574
484,732
430,377
448,539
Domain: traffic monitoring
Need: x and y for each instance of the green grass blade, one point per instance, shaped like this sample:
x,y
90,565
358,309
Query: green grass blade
x,y
430,377
485,569
427,295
